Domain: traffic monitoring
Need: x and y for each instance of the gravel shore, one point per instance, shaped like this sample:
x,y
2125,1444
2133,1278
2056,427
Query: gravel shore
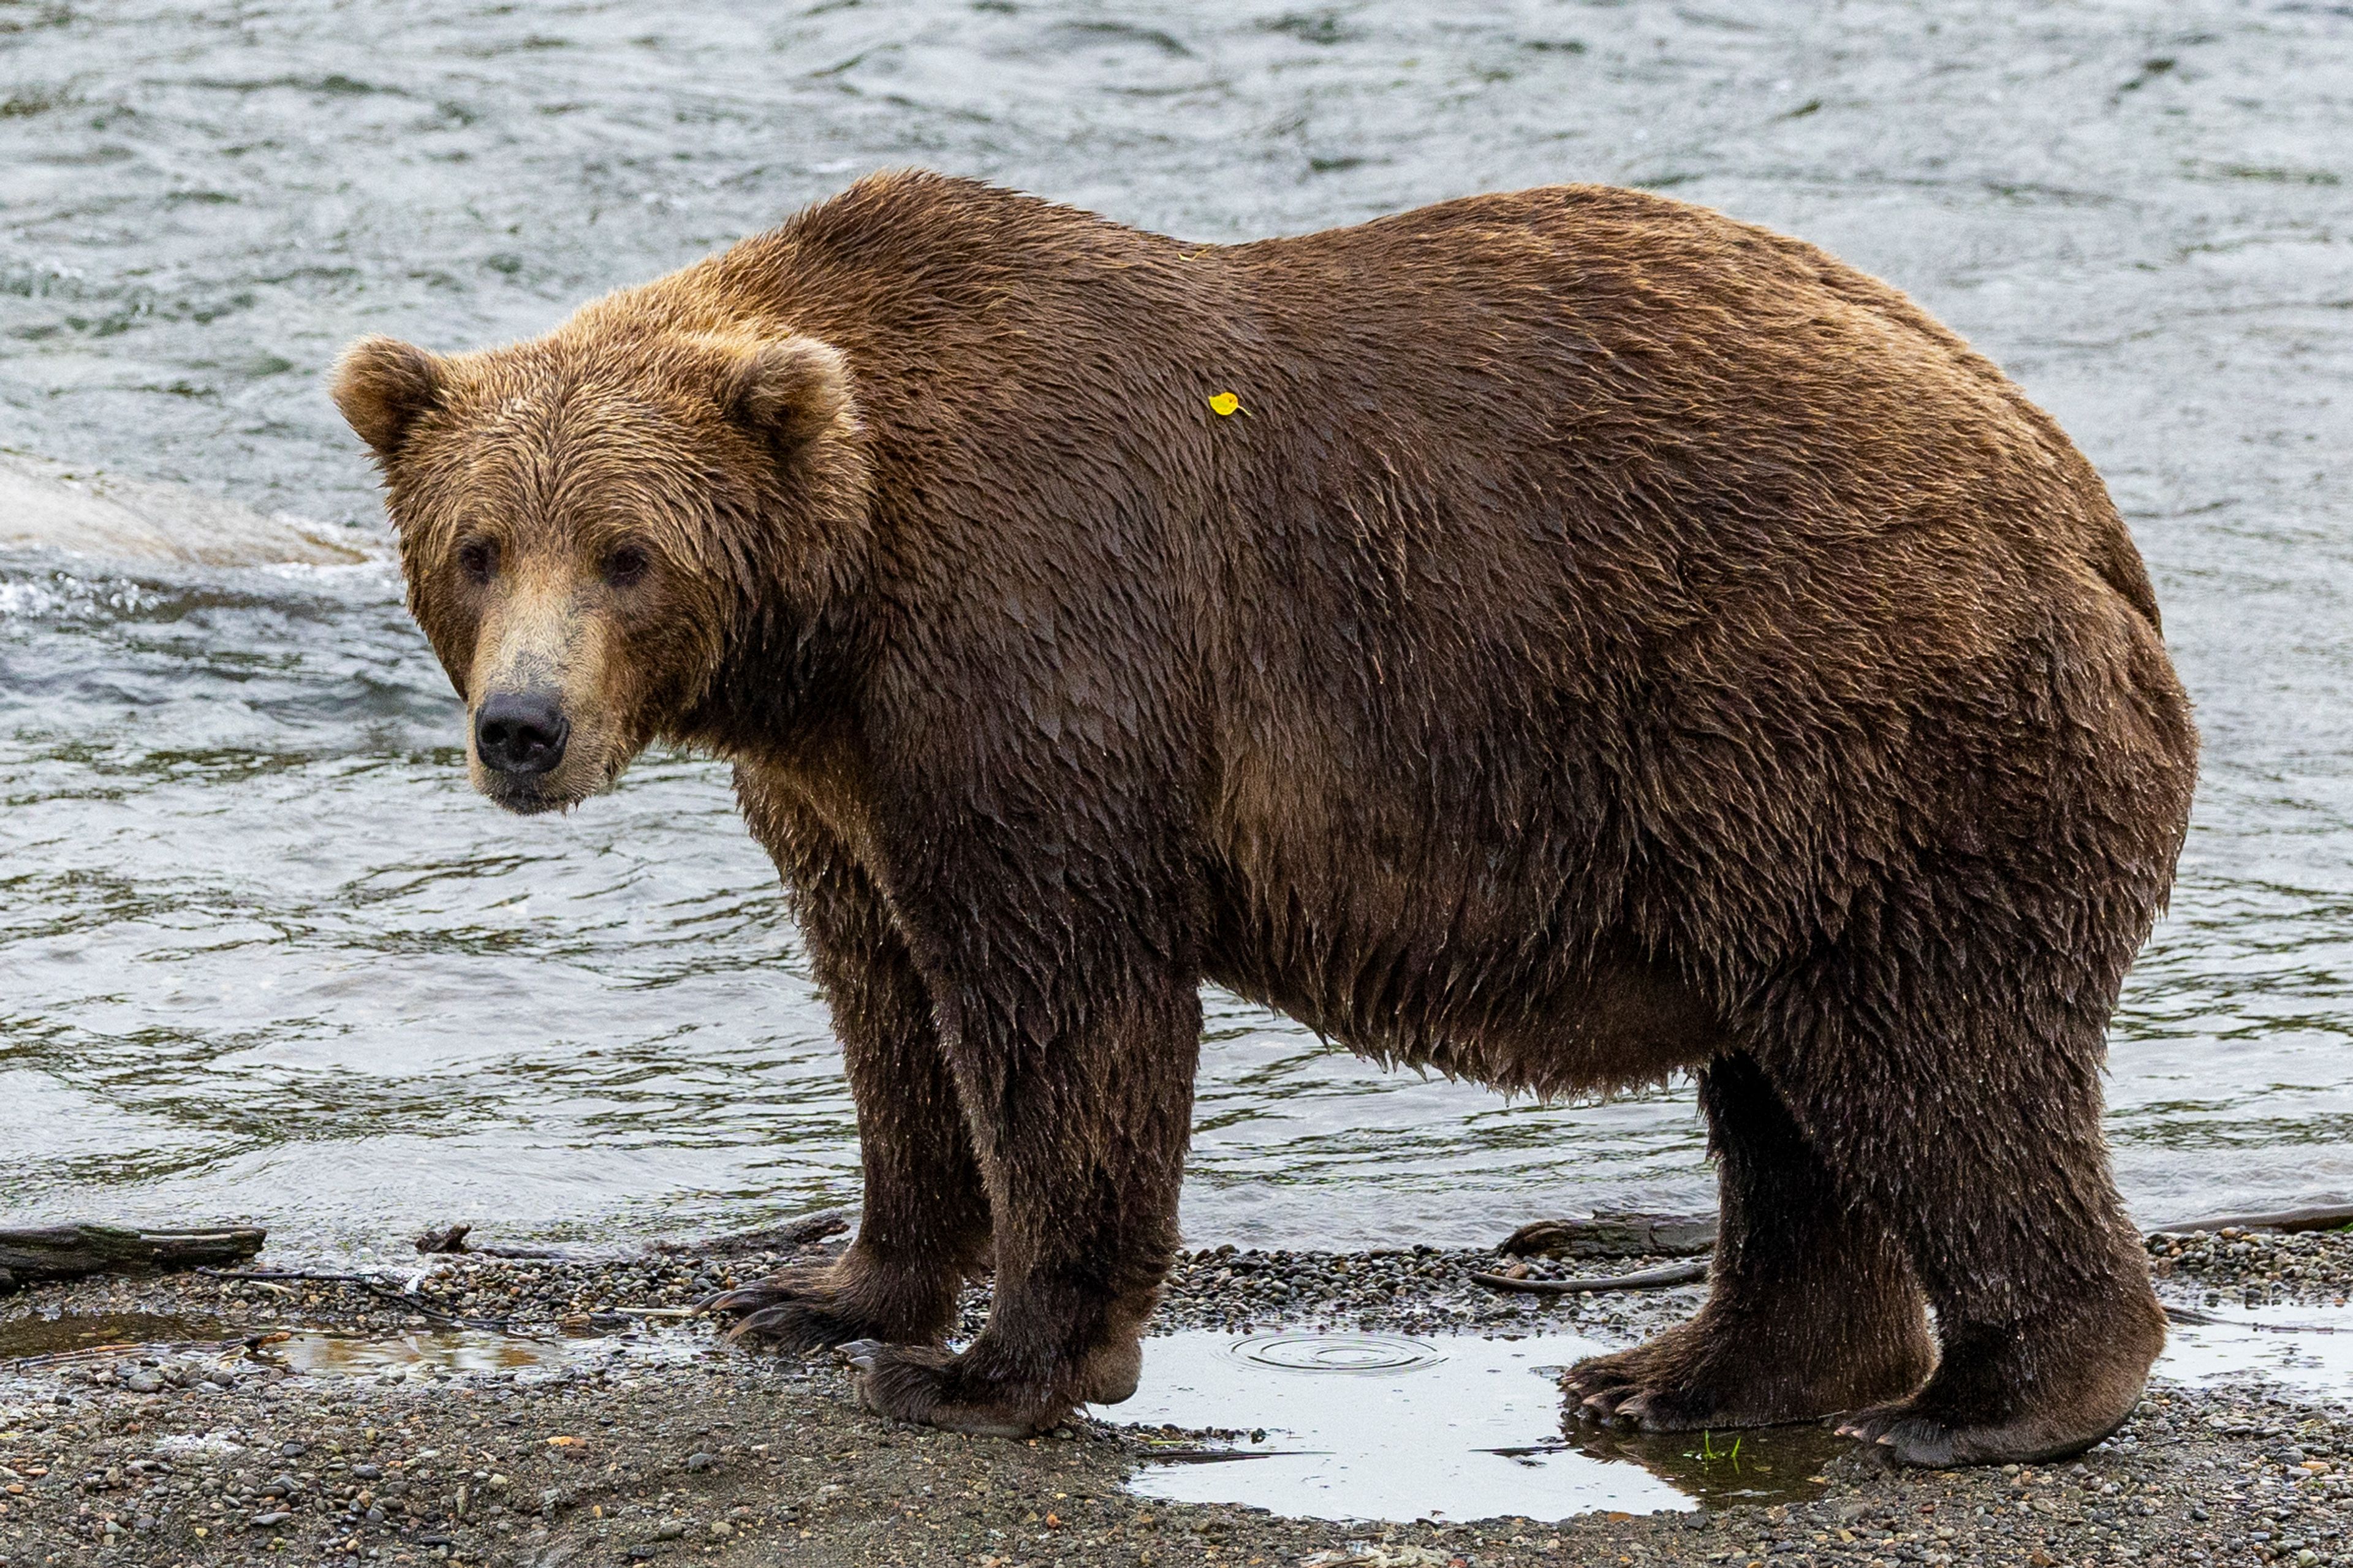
x,y
2253,1269
579,1434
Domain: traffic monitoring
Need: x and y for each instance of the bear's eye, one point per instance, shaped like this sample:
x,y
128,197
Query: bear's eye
x,y
625,565
478,558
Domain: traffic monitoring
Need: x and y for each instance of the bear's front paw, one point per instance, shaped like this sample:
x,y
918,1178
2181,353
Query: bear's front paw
x,y
935,1388
797,1312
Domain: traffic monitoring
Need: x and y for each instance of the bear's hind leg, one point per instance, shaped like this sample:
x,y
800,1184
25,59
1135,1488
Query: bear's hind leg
x,y
1812,1310
924,1225
1984,1149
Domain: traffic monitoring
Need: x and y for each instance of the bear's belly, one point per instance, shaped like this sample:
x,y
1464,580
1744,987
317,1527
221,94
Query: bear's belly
x,y
1476,993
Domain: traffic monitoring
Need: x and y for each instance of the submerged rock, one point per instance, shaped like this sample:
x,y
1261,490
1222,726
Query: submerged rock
x,y
55,506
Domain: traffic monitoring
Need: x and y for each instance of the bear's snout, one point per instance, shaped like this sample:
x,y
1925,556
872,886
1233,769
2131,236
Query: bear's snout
x,y
520,734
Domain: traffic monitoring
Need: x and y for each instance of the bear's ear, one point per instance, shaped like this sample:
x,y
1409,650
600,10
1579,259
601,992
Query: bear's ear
x,y
787,393
383,385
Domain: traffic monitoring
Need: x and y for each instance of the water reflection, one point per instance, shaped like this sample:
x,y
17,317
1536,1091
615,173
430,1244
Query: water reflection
x,y
1721,1470
35,1344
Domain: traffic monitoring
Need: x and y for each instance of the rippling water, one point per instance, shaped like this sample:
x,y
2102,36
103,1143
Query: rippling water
x,y
262,953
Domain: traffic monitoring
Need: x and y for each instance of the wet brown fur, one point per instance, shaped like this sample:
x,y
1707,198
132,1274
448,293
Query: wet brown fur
x,y
1612,640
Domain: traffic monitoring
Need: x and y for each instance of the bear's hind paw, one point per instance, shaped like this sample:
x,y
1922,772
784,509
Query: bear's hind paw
x,y
1908,1434
1697,1377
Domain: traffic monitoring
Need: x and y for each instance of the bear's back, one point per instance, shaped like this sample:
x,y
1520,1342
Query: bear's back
x,y
1707,392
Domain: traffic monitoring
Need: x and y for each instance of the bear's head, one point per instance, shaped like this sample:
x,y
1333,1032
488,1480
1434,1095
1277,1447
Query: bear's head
x,y
603,533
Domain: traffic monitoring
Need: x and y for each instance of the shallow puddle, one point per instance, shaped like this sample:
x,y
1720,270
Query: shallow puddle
x,y
1376,1426
444,1350
2305,1350
73,1337
31,1343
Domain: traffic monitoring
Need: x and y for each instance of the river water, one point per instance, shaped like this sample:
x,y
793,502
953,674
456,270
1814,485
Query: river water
x,y
263,954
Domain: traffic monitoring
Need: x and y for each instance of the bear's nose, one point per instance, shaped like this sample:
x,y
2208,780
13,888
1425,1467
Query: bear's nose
x,y
520,733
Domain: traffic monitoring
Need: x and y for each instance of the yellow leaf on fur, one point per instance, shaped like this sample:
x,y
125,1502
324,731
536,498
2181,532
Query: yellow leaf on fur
x,y
1224,402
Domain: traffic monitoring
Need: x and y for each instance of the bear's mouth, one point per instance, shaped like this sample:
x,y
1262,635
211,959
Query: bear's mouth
x,y
526,799
530,795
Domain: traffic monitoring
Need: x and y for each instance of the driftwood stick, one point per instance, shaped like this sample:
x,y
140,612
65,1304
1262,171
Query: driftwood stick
x,y
1613,1234
1640,1279
772,1239
1607,1233
453,1240
72,1252
374,1285
289,1276
457,1240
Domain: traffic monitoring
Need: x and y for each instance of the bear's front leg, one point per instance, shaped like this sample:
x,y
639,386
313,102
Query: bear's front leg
x,y
1080,1108
924,1225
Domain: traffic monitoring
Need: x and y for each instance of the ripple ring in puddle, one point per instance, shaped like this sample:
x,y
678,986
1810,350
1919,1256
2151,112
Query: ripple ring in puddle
x,y
1406,1430
1358,1353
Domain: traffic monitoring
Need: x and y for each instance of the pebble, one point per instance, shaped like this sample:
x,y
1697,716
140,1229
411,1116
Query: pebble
x,y
2253,1268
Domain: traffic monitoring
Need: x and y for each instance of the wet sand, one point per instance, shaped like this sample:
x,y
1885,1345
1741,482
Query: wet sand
x,y
622,1444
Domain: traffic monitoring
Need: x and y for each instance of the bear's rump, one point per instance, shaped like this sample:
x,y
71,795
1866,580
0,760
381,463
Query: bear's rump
x,y
1569,886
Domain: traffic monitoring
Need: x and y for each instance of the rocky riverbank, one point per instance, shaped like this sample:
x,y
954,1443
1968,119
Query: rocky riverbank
x,y
327,1421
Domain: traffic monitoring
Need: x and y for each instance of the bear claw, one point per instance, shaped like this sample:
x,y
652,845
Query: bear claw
x,y
1910,1435
784,1313
1626,1407
918,1383
1601,1406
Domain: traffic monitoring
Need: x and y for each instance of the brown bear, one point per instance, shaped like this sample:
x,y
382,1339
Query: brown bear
x,y
1562,638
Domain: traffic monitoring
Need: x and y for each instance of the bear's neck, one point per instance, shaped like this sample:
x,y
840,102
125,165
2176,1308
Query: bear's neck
x,y
782,687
